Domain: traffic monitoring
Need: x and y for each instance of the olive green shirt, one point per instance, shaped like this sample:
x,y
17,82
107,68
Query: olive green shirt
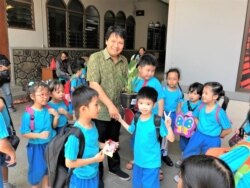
x,y
110,76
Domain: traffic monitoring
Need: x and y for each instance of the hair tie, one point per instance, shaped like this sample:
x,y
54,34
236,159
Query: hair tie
x,y
31,83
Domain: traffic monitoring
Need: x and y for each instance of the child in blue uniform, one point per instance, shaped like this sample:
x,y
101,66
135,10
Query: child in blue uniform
x,y
146,71
173,97
85,174
57,95
77,79
39,135
210,129
147,155
5,147
194,96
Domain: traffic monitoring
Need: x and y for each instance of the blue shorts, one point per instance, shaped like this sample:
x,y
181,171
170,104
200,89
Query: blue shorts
x,y
145,177
199,143
37,163
76,182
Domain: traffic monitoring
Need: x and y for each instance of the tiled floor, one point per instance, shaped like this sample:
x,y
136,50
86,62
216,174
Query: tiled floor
x,y
18,174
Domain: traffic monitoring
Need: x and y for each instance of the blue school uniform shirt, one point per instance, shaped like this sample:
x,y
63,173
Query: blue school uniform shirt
x,y
184,108
42,122
152,82
76,82
208,123
62,118
3,127
90,150
247,130
171,99
147,153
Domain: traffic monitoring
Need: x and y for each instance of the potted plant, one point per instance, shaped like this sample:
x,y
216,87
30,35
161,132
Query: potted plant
x,y
128,97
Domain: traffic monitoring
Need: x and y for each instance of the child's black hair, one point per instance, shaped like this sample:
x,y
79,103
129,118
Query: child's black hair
x,y
177,71
217,88
54,85
196,86
148,59
77,67
148,93
82,96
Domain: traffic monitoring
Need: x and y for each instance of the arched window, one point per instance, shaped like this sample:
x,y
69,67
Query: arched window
x,y
75,26
109,19
120,19
92,27
20,14
56,23
130,29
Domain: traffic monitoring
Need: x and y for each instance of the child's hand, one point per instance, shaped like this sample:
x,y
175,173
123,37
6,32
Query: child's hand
x,y
99,157
53,112
168,120
62,111
10,159
44,135
237,131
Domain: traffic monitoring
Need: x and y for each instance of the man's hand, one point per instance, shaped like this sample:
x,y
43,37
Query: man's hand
x,y
114,112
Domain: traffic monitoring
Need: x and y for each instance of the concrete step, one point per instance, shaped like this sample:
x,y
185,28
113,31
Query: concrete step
x,y
17,92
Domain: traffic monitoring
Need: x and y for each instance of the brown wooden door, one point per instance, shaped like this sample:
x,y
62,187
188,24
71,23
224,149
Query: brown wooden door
x,y
4,41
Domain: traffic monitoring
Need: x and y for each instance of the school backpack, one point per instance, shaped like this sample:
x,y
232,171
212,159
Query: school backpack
x,y
185,124
157,122
238,160
59,174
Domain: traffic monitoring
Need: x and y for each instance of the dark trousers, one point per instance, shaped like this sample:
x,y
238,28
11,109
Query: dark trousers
x,y
109,130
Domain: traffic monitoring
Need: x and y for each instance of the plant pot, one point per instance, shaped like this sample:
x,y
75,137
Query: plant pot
x,y
128,100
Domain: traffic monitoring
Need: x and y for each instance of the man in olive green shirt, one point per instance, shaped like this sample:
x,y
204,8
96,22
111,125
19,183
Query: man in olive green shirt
x,y
107,70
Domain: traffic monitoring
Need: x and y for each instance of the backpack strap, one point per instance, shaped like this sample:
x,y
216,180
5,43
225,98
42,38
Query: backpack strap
x,y
157,122
189,106
216,113
136,117
30,110
78,133
145,83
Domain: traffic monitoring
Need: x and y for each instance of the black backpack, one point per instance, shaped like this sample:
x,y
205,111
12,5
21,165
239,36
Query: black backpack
x,y
59,174
157,122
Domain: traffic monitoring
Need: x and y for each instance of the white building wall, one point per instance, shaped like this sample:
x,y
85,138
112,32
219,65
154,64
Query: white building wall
x,y
204,40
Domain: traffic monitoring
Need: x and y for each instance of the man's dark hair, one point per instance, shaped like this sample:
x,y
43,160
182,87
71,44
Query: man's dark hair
x,y
147,59
118,30
82,96
148,93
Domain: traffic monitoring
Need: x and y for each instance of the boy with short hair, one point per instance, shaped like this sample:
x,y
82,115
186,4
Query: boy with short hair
x,y
147,155
146,70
